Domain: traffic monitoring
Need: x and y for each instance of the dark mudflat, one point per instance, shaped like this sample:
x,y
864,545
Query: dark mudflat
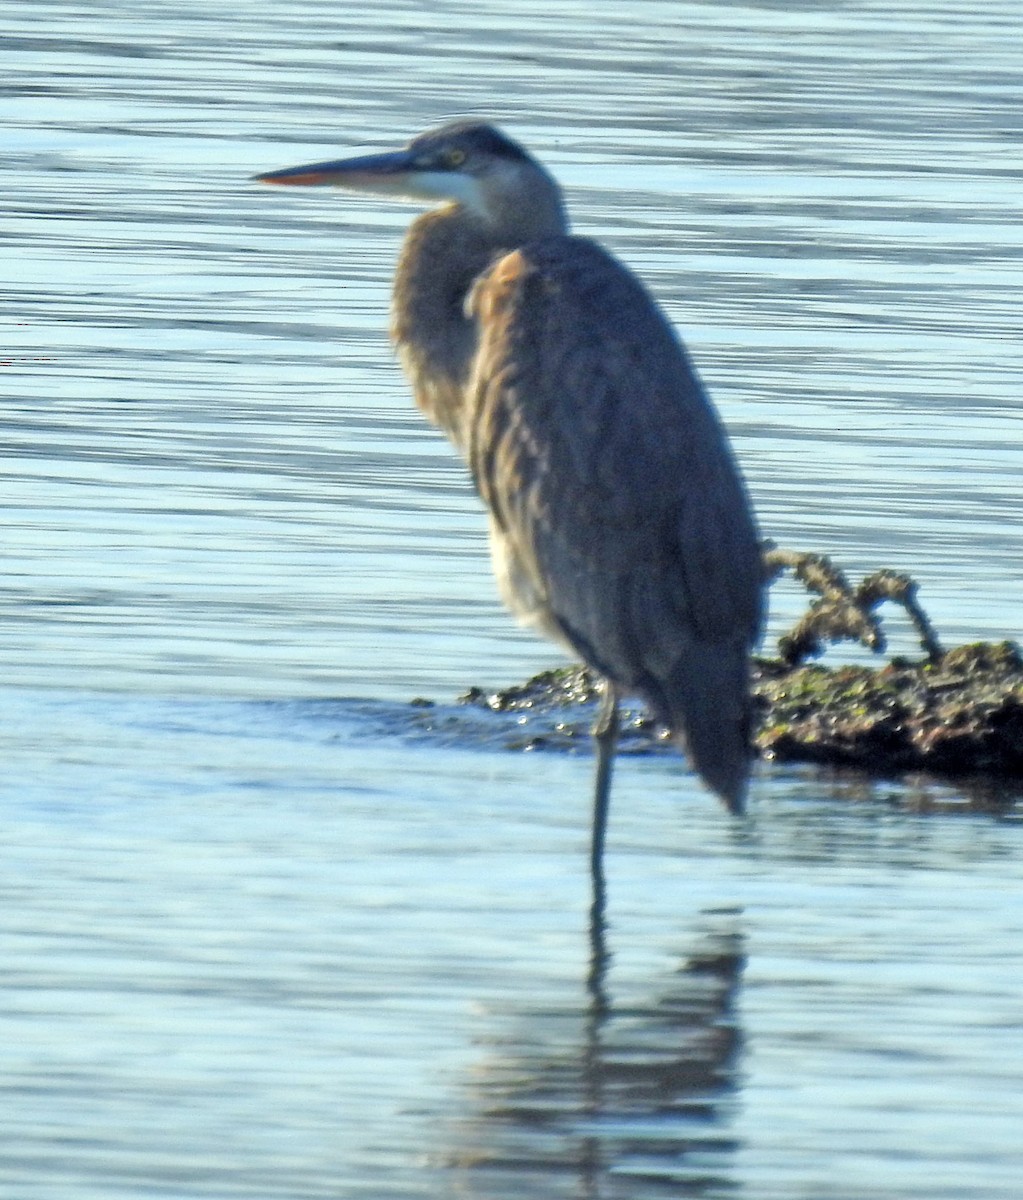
x,y
953,713
959,715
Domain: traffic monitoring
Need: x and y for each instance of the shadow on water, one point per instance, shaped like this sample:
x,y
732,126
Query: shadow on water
x,y
615,1097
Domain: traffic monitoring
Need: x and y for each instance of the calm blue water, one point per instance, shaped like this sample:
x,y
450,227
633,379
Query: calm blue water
x,y
258,937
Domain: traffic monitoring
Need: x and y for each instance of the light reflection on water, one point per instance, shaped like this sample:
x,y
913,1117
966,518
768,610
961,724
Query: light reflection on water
x,y
270,949
259,943
827,214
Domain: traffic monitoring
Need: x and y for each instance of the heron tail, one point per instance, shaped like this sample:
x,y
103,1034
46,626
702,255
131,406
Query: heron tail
x,y
705,704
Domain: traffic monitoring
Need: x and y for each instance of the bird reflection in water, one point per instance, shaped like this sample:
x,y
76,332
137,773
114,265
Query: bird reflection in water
x,y
608,1100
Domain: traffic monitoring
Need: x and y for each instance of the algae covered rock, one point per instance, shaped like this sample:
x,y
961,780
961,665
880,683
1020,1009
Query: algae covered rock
x,y
961,714
955,712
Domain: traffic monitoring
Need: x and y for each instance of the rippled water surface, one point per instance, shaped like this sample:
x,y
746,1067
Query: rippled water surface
x,y
263,938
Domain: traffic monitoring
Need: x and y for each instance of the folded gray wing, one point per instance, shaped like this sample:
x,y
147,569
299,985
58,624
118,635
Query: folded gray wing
x,y
594,445
612,486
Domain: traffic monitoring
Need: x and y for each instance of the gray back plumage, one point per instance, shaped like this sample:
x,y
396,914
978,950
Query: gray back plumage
x,y
593,443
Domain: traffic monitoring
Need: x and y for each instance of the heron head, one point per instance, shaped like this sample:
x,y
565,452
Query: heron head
x,y
467,163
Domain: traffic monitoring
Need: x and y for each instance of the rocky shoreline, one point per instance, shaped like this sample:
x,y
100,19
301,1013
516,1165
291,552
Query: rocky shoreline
x,y
961,715
952,713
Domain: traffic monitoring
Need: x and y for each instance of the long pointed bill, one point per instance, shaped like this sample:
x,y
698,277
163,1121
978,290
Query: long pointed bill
x,y
392,174
367,173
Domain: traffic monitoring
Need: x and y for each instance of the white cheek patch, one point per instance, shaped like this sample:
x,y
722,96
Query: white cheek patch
x,y
447,185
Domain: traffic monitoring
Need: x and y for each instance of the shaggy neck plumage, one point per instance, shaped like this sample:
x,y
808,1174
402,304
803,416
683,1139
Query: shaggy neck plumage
x,y
444,253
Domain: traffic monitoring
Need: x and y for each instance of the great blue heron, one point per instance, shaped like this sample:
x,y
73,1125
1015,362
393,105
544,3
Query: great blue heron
x,y
619,523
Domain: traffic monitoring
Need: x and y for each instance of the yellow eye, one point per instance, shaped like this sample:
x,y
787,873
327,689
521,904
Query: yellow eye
x,y
453,157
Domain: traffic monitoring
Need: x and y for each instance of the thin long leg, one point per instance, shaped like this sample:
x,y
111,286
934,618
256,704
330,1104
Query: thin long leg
x,y
605,734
